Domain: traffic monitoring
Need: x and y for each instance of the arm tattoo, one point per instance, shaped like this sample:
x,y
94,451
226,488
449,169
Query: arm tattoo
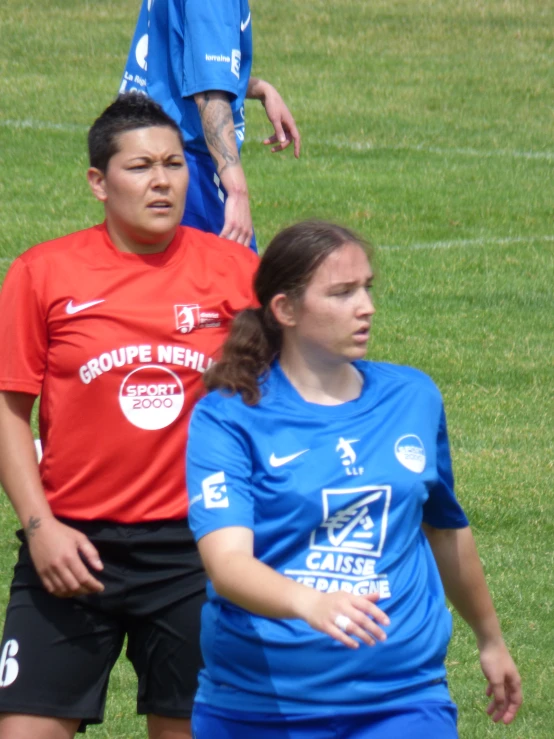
x,y
32,526
219,130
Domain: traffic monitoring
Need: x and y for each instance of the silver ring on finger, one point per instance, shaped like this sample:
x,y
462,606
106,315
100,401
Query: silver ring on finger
x,y
342,621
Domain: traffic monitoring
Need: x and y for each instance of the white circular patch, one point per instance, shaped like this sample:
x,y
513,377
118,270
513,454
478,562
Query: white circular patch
x,y
151,397
410,452
141,52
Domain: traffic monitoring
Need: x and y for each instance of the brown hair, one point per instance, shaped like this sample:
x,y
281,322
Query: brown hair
x,y
287,266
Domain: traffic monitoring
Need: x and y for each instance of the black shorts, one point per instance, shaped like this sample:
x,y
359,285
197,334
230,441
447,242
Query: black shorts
x,y
57,653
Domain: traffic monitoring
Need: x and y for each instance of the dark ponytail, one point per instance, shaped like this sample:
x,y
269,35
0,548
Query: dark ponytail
x,y
287,266
247,354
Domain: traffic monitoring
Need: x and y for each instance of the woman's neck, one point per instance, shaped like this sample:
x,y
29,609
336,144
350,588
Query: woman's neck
x,y
321,383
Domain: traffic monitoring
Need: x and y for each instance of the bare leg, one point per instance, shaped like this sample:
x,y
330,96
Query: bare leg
x,y
19,726
162,727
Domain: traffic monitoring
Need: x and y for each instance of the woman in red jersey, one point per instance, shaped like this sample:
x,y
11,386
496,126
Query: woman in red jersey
x,y
113,327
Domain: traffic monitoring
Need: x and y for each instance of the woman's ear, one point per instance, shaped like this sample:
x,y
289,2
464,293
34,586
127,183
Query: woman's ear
x,y
283,309
97,183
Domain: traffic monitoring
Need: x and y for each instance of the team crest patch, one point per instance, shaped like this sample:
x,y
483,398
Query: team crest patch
x,y
410,452
187,317
190,317
357,523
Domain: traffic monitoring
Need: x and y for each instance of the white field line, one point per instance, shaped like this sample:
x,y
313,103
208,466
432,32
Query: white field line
x,y
496,241
44,126
337,142
340,143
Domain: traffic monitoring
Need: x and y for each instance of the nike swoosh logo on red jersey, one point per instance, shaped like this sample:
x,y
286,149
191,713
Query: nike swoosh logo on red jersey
x,y
280,461
70,309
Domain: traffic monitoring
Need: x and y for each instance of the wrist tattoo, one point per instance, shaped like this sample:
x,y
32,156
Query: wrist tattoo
x,y
32,526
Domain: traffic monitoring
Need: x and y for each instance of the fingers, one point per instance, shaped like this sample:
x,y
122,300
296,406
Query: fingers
x,y
61,556
90,554
238,221
70,578
506,699
295,134
283,143
371,608
495,709
358,617
362,622
234,233
343,637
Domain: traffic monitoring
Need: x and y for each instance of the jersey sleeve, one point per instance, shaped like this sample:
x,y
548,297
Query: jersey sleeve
x,y
211,49
442,510
219,471
23,333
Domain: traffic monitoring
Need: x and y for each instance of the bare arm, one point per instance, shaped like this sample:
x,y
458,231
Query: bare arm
x,y
285,131
56,549
219,132
466,588
241,578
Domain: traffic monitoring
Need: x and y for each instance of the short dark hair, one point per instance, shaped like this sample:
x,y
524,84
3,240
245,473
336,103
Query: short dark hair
x,y
129,111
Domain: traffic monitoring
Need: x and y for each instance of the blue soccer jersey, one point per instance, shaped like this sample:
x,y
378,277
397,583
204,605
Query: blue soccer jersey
x,y
183,47
335,496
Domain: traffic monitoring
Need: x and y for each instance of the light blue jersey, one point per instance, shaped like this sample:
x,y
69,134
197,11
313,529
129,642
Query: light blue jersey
x,y
182,47
335,496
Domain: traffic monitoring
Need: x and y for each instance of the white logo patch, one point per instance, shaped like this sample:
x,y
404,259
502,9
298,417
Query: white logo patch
x,y
360,527
141,52
410,452
344,549
187,317
235,62
190,317
348,455
151,397
214,490
9,667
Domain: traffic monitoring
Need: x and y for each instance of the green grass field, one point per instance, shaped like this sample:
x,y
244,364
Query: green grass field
x,y
427,126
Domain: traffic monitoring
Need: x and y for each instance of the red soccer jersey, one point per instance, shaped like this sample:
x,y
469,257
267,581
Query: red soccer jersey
x,y
116,344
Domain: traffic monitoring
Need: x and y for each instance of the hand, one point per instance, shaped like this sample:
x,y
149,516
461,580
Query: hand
x,y
282,121
279,115
504,682
238,221
59,554
322,610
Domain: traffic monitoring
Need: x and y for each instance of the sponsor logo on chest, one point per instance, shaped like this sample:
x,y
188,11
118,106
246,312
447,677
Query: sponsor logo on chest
x,y
190,317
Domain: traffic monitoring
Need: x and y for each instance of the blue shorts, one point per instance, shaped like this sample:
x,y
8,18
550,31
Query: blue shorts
x,y
428,720
205,206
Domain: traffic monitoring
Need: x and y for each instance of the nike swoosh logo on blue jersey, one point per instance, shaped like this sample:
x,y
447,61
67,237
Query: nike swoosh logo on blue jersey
x,y
280,461
244,24
70,309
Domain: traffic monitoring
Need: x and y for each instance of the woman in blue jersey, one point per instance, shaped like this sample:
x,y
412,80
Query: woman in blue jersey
x,y
322,500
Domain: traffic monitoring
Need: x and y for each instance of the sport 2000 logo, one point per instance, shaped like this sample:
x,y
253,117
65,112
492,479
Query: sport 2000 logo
x,y
151,397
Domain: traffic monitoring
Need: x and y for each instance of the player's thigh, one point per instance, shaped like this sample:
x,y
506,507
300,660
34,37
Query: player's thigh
x,y
162,727
55,656
19,726
165,651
